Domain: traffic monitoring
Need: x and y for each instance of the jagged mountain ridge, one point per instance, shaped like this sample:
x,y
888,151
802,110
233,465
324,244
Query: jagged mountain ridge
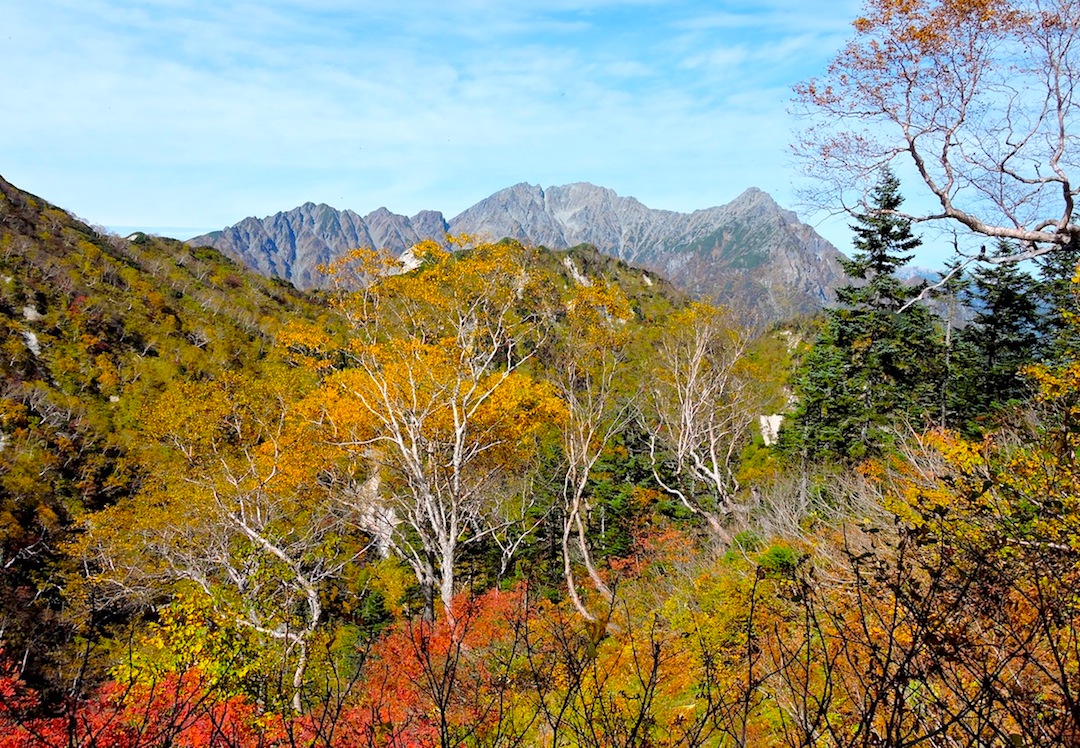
x,y
293,244
750,251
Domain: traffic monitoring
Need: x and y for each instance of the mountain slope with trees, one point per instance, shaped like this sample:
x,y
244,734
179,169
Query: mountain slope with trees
x,y
499,496
750,252
93,329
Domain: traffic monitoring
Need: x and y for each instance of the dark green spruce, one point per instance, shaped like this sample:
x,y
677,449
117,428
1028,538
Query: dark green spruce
x,y
876,367
1002,339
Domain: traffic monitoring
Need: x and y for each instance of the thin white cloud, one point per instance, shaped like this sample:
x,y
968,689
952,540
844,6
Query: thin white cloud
x,y
176,112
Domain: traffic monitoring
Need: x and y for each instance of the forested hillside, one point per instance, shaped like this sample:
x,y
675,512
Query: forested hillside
x,y
516,497
94,329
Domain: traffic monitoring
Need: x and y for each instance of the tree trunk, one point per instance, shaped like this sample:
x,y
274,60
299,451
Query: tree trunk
x,y
427,586
298,674
446,586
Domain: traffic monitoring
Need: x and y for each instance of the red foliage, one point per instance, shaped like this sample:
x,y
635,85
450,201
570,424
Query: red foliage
x,y
427,679
424,681
180,711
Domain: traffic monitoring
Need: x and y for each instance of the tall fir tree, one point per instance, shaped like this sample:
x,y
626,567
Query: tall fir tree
x,y
1002,339
877,362
1057,301
884,243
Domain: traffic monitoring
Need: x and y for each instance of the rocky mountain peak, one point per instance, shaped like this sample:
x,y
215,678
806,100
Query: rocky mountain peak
x,y
750,252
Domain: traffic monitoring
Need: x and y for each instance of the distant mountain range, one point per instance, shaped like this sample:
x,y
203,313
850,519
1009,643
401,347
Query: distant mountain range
x,y
750,252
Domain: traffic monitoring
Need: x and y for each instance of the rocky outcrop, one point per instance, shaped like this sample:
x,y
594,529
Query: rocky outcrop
x,y
750,252
293,245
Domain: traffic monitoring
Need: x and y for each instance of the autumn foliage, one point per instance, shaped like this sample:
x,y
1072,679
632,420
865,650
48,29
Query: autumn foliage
x,y
488,501
976,98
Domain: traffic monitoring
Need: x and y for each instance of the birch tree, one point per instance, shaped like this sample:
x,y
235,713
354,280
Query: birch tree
x,y
432,400
591,361
976,97
700,408
240,507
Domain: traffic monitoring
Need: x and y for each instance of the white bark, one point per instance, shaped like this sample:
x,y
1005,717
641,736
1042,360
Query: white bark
x,y
234,531
587,371
429,443
701,411
982,109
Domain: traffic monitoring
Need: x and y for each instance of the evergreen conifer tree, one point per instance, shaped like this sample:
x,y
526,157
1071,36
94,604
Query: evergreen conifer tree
x,y
875,365
1057,298
1001,340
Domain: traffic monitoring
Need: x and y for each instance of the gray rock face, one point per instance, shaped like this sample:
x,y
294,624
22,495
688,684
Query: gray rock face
x,y
293,245
750,252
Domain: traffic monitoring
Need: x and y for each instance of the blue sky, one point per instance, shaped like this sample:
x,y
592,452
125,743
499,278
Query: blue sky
x,y
182,116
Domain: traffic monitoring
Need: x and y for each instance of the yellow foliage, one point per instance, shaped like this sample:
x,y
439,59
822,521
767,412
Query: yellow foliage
x,y
108,377
392,578
307,344
191,634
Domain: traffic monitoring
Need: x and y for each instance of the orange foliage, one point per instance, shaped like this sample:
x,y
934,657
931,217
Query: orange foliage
x,y
425,684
